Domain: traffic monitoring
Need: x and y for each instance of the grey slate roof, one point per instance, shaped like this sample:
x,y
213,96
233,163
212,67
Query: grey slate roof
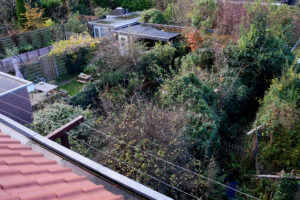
x,y
147,32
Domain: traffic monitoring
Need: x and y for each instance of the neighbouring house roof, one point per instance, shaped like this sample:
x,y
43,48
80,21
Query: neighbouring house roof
x,y
28,175
32,167
147,32
9,83
118,22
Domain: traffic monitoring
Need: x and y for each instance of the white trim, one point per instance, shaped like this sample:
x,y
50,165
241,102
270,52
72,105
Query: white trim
x,y
24,83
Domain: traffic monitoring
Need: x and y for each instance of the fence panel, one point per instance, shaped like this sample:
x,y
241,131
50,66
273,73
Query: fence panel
x,y
49,68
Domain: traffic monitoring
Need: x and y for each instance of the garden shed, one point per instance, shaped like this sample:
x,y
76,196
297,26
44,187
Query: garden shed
x,y
105,27
149,31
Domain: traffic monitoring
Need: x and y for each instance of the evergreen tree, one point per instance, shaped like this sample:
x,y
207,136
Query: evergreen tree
x,y
20,12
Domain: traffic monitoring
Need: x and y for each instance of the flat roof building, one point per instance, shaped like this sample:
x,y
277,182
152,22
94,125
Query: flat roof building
x,y
14,98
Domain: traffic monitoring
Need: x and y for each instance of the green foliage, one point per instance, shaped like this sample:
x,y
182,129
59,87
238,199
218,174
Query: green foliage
x,y
260,56
156,64
20,12
101,12
174,15
26,48
50,4
90,69
284,21
286,190
136,5
158,131
200,102
11,52
75,24
53,116
153,16
202,58
280,113
89,96
203,13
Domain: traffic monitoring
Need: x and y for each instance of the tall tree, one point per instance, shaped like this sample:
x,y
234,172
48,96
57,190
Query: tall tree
x,y
20,12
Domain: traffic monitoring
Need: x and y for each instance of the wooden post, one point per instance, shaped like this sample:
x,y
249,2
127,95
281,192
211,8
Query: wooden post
x,y
62,131
278,177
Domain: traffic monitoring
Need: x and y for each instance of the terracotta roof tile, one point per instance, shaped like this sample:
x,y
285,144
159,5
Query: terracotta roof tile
x,y
28,175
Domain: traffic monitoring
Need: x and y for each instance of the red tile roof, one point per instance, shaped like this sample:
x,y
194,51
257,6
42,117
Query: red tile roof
x,y
27,175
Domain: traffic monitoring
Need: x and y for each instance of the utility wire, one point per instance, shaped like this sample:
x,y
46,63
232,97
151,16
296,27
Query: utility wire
x,y
170,163
159,158
81,141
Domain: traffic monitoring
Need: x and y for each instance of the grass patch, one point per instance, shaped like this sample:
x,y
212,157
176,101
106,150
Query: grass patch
x,y
297,52
72,88
66,77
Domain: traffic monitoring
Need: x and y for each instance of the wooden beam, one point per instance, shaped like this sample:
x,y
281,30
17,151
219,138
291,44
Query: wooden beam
x,y
62,131
259,128
277,177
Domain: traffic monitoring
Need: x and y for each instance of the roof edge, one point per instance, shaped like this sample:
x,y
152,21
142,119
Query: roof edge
x,y
87,163
28,84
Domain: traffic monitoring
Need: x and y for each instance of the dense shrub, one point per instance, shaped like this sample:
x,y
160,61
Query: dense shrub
x,y
200,102
108,56
89,97
202,58
53,116
285,23
174,15
136,5
159,132
280,114
203,14
101,12
286,190
75,24
259,56
20,12
153,16
156,64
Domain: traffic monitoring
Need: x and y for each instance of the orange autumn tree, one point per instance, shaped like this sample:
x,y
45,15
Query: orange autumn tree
x,y
194,38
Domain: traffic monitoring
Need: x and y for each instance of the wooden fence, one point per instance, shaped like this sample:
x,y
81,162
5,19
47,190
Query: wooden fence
x,y
36,39
46,67
25,58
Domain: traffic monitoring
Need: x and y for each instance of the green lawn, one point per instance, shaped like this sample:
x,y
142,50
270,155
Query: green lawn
x,y
72,87
297,52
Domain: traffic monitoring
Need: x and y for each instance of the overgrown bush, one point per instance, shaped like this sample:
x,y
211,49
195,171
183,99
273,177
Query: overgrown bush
x,y
259,56
286,190
201,105
108,56
202,58
89,97
174,15
280,114
153,16
53,116
159,132
203,14
76,25
156,63
101,12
